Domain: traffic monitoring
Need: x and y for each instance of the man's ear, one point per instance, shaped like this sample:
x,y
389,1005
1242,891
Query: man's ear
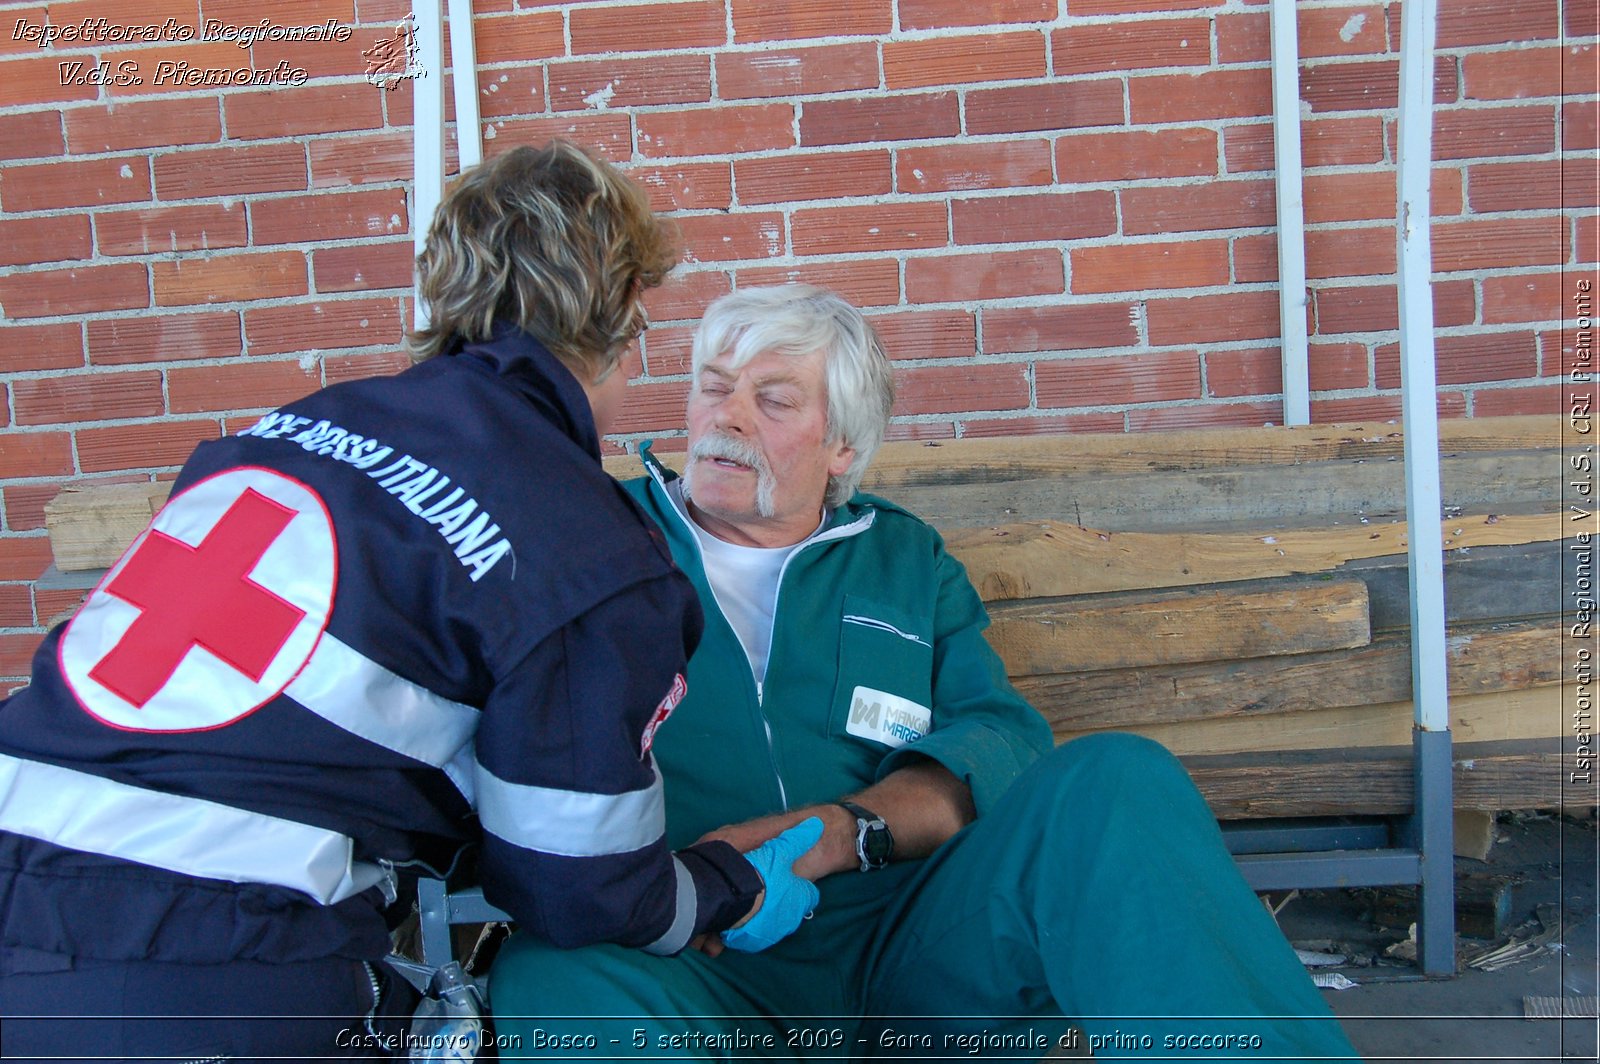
x,y
840,458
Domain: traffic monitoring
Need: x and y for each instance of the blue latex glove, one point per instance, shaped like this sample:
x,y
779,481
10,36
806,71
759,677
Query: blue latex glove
x,y
789,898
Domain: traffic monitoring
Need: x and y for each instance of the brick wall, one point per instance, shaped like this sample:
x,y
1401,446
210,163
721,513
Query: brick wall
x,y
1059,212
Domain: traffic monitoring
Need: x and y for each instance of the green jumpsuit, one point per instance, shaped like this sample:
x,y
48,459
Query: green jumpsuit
x,y
1093,889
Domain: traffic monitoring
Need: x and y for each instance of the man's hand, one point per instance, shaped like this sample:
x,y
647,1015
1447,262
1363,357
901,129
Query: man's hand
x,y
788,899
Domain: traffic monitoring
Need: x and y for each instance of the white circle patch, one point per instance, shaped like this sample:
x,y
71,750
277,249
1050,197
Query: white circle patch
x,y
212,611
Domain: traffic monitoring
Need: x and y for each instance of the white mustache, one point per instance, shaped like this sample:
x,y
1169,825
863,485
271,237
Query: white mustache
x,y
729,448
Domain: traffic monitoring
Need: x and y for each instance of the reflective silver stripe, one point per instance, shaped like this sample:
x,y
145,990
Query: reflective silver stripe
x,y
570,823
885,626
677,935
355,693
189,835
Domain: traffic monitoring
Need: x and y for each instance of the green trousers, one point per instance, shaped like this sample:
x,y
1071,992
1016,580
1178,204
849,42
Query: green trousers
x,y
1094,904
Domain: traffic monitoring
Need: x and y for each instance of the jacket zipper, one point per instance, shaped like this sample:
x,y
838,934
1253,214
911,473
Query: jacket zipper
x,y
859,525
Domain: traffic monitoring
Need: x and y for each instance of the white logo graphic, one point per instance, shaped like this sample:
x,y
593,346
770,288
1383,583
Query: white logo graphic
x,y
886,718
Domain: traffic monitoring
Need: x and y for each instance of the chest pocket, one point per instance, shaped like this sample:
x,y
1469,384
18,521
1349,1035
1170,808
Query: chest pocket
x,y
884,691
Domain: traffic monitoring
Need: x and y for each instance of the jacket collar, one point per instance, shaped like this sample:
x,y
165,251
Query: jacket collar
x,y
522,362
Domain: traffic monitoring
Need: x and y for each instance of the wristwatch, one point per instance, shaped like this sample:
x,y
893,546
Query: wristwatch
x,y
874,842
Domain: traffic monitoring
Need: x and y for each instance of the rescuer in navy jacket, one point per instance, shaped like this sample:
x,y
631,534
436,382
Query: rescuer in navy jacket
x,y
380,609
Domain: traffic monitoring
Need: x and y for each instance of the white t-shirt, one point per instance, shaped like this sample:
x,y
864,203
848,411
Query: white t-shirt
x,y
745,583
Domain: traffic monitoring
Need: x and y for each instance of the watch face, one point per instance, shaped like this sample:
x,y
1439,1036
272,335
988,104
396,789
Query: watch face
x,y
877,844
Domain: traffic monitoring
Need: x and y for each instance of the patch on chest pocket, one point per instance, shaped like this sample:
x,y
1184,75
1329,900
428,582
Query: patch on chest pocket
x,y
886,718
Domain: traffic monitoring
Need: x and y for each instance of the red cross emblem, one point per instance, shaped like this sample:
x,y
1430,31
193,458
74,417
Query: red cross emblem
x,y
239,566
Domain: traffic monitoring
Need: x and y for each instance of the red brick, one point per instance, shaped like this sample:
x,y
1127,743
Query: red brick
x,y
25,241
145,124
1053,105
363,267
337,162
920,430
721,237
1370,195
29,18
1323,142
329,216
165,338
1332,367
1063,327
1479,245
668,351
864,282
90,183
337,368
928,61
927,333
31,135
1376,308
1199,97
1350,253
525,36
1255,259
1245,37
1580,125
1335,31
1581,18
35,454
686,186
1561,352
647,27
653,407
230,171
80,290
1061,424
1367,86
607,134
825,175
961,167
322,59
716,130
1565,184
775,20
160,230
1118,380
879,227
1526,72
284,12
506,91
24,505
947,389
1134,267
1213,205
238,386
941,14
92,397
144,446
174,68
1041,216
685,296
54,605
1206,416
1213,319
797,71
874,118
16,606
322,325
658,80
1127,7
1136,155
1504,402
1524,297
1231,374
1131,46
1478,132
299,111
1469,359
33,82
1587,240
35,347
1463,23
16,653
996,275
229,278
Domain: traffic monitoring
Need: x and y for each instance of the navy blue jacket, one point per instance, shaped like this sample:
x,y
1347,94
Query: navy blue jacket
x,y
382,609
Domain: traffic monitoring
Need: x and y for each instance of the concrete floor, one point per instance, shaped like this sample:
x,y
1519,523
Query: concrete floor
x,y
1395,1015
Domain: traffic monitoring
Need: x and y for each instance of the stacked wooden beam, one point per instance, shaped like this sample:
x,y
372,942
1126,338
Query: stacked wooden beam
x,y
1239,595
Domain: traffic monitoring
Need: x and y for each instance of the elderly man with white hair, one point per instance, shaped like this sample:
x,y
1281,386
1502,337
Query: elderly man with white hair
x,y
979,892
